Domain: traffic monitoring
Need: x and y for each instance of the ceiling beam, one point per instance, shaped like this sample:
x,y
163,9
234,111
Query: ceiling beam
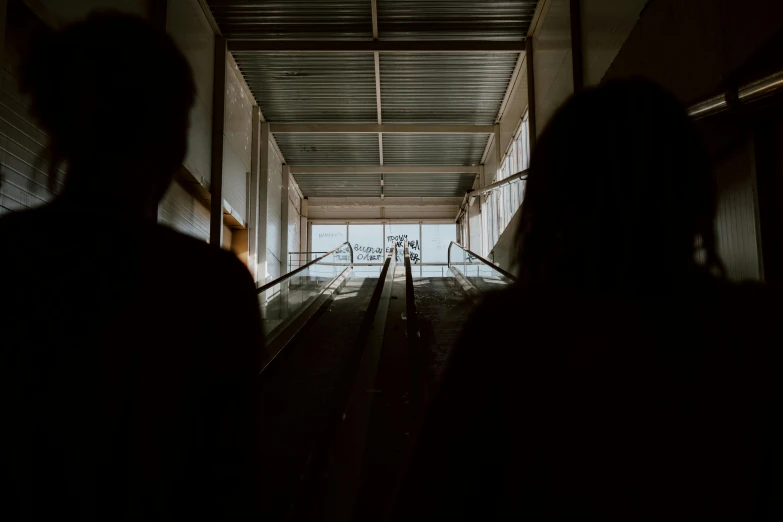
x,y
374,128
377,60
386,169
354,202
374,19
378,46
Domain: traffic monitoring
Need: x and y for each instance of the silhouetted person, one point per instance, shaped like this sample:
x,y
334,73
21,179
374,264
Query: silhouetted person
x,y
623,378
128,352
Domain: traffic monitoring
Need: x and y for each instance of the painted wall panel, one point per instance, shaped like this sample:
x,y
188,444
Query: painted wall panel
x,y
187,25
184,213
735,223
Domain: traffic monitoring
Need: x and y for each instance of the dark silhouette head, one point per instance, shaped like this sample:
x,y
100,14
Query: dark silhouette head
x,y
620,198
114,95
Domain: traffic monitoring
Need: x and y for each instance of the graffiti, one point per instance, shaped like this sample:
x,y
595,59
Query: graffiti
x,y
323,235
414,248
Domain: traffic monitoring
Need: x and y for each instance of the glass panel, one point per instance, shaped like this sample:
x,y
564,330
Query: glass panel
x,y
283,301
326,238
481,275
399,233
435,242
367,243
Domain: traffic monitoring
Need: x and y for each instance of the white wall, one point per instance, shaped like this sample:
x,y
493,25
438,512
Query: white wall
x,y
236,142
187,25
552,61
184,213
294,216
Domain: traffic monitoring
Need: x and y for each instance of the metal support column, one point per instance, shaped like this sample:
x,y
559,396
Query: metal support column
x,y
284,219
531,95
218,125
252,220
304,242
498,150
263,200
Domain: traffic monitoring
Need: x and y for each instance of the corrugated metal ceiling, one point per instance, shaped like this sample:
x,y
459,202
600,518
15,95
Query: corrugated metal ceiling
x,y
329,149
311,87
439,185
352,19
444,87
433,149
416,88
339,185
293,19
454,19
394,185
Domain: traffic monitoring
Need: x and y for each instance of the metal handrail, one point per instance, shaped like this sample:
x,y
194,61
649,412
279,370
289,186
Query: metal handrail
x,y
293,273
492,265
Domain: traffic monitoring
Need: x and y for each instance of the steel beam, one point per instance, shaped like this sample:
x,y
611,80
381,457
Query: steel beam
x,y
284,219
531,96
377,46
386,169
373,202
374,128
218,126
263,202
374,4
253,218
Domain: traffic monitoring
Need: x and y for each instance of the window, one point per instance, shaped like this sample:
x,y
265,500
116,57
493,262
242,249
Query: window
x,y
326,238
368,247
399,234
503,203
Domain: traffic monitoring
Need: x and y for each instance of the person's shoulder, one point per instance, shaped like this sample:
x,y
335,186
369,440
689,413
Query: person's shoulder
x,y
21,219
220,265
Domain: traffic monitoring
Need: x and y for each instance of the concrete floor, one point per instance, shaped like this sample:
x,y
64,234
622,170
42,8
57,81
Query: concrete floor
x,y
298,397
443,307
